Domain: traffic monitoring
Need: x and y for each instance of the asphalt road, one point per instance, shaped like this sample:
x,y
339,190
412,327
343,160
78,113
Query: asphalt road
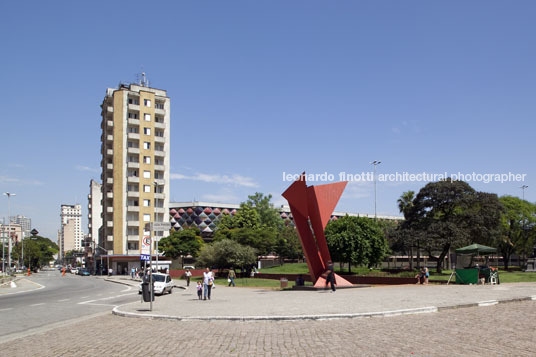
x,y
56,300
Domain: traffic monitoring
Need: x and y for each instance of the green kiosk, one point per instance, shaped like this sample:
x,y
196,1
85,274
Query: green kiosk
x,y
472,265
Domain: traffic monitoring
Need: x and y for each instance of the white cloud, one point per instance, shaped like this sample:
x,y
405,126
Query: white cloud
x,y
359,189
86,168
18,181
221,197
233,179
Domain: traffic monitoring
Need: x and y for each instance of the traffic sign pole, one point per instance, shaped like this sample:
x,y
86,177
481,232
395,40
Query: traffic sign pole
x,y
151,274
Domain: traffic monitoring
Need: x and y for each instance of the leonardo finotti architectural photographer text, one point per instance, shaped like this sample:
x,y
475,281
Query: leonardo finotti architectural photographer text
x,y
407,177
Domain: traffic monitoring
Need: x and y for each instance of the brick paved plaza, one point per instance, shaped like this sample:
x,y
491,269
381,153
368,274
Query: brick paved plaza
x,y
504,329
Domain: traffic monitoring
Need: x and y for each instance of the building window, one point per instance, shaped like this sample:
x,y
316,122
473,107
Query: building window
x,y
134,101
147,131
159,105
147,145
133,246
147,188
147,102
147,174
146,203
147,159
132,129
147,117
146,217
133,116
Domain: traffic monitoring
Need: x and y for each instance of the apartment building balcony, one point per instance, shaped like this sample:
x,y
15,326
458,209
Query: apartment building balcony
x,y
159,139
133,179
89,215
133,238
133,165
109,194
133,208
110,137
159,210
109,180
159,196
159,167
110,123
159,111
110,209
110,238
133,252
133,223
133,194
109,224
134,121
159,153
110,166
134,107
133,150
109,152
135,136
89,225
159,125
160,182
110,109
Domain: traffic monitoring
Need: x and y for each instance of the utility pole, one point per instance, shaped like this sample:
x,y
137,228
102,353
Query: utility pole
x,y
375,163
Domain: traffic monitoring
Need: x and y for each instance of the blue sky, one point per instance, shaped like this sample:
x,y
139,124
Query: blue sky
x,y
259,88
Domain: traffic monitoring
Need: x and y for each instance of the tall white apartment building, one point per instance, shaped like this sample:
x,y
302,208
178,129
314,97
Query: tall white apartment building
x,y
135,167
71,236
94,209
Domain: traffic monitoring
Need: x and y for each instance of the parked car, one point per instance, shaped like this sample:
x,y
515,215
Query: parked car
x,y
191,267
74,270
162,283
84,272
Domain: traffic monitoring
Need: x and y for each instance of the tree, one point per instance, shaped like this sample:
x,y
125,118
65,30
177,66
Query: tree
x,y
356,240
268,215
447,213
288,244
38,251
263,240
181,243
517,228
405,205
245,217
226,253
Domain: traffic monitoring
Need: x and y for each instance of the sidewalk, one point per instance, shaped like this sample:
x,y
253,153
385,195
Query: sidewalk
x,y
258,304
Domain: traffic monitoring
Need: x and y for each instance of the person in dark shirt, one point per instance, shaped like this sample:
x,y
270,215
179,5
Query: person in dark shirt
x,y
330,276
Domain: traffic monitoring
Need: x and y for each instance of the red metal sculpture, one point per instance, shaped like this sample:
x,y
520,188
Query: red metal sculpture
x,y
311,207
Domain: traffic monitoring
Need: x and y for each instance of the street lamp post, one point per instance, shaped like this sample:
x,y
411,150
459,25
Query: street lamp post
x,y
9,194
375,163
523,187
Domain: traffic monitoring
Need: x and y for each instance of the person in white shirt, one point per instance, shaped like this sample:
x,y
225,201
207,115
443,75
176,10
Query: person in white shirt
x,y
208,281
188,275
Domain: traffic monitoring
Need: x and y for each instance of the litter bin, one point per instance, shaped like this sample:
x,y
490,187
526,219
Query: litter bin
x,y
146,292
284,283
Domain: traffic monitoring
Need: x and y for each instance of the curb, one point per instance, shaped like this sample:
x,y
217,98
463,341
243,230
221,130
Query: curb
x,y
418,310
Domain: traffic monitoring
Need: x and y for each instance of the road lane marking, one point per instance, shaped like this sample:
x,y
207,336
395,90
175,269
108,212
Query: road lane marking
x,y
39,304
106,298
127,289
62,300
6,309
488,303
84,297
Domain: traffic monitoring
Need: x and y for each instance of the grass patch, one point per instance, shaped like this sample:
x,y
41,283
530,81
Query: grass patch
x,y
256,283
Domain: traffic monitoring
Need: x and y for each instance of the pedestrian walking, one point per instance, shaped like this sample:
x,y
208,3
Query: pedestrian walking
x,y
188,275
208,281
330,276
231,277
199,290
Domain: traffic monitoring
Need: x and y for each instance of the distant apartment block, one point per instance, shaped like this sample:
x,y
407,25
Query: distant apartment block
x,y
71,235
94,209
24,222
